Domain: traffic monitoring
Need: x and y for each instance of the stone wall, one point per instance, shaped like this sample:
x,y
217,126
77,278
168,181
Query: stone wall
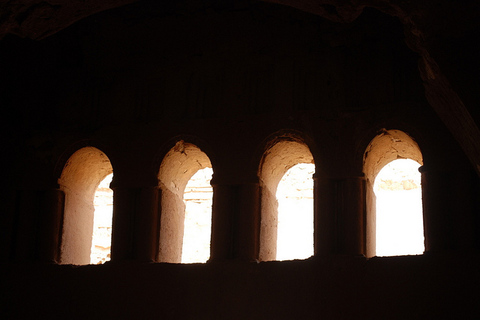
x,y
231,81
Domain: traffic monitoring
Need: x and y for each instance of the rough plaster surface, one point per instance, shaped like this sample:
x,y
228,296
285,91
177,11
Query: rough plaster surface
x,y
132,78
386,147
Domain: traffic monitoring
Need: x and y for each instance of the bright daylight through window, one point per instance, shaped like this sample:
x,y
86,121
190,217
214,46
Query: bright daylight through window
x,y
295,213
198,217
399,215
102,222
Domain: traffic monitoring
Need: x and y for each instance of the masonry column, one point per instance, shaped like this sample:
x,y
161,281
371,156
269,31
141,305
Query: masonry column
x,y
436,215
248,222
36,226
339,215
50,225
235,221
325,232
135,223
448,213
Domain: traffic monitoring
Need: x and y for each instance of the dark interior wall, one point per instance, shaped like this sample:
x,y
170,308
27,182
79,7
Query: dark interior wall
x,y
131,80
444,286
163,72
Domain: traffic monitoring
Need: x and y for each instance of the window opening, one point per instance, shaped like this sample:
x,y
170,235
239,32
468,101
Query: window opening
x,y
198,217
387,147
281,155
80,178
184,165
102,222
295,213
399,216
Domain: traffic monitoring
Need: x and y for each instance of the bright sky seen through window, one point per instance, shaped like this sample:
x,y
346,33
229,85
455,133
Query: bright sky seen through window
x,y
295,213
399,217
198,217
102,222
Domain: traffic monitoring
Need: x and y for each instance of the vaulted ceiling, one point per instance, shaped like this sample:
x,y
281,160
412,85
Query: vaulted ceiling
x,y
444,33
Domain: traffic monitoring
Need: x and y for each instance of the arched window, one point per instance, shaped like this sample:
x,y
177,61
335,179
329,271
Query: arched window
x,y
286,230
186,205
79,180
394,208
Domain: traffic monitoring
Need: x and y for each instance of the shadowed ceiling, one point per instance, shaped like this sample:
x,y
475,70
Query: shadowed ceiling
x,y
444,34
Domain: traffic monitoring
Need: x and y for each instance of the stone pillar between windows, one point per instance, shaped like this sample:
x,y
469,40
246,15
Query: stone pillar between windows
x,y
248,222
135,224
339,215
324,218
235,221
436,215
23,239
37,226
50,234
447,198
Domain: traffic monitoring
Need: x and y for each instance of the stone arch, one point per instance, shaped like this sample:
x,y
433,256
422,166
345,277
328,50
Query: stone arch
x,y
178,166
81,175
387,146
281,154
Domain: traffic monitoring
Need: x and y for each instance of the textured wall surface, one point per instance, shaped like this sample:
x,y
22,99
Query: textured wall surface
x,y
232,78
